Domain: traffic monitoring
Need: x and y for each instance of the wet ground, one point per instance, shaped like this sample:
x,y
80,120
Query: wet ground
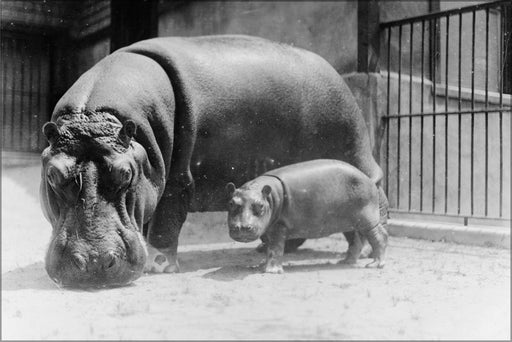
x,y
426,291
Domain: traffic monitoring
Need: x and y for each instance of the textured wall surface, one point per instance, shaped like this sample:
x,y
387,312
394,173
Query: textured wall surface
x,y
328,28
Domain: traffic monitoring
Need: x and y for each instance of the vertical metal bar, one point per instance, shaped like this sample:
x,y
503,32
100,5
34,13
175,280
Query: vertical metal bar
x,y
421,109
472,108
13,93
434,71
459,181
388,123
22,95
399,120
4,87
446,99
410,118
502,52
486,113
41,114
30,79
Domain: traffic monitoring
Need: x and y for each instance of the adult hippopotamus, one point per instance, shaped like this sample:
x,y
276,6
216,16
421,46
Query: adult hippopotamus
x,y
157,129
311,199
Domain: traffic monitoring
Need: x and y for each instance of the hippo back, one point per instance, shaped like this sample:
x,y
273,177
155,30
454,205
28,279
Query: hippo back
x,y
245,105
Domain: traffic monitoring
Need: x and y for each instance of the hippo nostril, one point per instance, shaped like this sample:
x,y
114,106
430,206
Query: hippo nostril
x,y
247,228
110,260
79,262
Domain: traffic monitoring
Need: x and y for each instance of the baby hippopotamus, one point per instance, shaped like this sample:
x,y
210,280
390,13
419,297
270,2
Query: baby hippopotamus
x,y
311,199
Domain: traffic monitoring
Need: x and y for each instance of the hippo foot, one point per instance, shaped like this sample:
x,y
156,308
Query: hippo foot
x,y
376,263
367,252
160,262
349,260
274,269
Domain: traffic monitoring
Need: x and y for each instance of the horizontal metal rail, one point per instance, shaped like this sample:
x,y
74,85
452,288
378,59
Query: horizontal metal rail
x,y
455,163
475,111
442,14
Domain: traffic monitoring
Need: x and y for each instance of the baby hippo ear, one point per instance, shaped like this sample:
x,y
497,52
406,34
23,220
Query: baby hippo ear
x,y
230,188
266,190
127,132
51,131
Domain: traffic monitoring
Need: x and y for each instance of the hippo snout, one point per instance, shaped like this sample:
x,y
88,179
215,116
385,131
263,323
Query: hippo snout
x,y
243,228
79,265
94,270
95,263
243,233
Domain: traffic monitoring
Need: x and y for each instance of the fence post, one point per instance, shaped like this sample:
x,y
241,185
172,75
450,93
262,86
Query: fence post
x,y
131,21
507,53
368,39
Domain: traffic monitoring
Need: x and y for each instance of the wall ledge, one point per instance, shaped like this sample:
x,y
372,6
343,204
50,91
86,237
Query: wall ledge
x,y
486,236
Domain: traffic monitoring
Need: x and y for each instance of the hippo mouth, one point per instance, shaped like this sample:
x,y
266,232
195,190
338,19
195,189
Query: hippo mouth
x,y
73,263
244,234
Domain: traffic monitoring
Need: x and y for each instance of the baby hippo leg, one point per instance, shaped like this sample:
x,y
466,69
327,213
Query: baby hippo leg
x,y
355,245
378,239
275,249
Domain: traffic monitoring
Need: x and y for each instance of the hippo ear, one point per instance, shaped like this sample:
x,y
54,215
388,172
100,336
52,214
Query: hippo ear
x,y
266,190
127,132
51,131
230,188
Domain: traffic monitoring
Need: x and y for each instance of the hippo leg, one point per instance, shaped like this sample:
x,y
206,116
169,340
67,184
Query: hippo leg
x,y
367,251
275,249
165,227
262,247
164,230
355,245
378,239
290,246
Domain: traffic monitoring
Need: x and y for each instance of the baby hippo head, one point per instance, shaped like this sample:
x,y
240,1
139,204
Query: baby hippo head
x,y
249,210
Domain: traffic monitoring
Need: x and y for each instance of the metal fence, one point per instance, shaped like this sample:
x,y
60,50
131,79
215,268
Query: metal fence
x,y
447,137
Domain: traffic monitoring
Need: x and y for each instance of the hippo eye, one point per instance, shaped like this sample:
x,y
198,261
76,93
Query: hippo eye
x,y
257,209
123,175
55,176
233,206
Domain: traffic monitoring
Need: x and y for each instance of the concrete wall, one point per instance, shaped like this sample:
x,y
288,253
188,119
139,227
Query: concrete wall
x,y
328,28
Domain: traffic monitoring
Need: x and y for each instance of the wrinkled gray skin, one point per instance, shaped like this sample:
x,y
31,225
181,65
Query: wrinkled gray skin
x,y
307,200
185,116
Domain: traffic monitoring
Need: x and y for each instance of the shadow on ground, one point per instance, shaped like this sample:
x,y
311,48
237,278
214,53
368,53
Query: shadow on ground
x,y
234,263
29,277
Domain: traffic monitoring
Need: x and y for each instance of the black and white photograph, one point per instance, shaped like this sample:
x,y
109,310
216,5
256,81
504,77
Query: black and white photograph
x,y
256,170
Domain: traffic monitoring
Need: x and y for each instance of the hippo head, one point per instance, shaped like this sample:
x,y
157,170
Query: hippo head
x,y
96,194
249,211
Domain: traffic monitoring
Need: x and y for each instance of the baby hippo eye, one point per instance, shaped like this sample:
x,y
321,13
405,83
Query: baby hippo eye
x,y
257,209
231,205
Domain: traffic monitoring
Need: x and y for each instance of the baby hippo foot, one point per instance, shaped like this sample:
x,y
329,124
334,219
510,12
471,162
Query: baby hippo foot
x,y
378,239
349,260
367,252
160,261
272,267
376,263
